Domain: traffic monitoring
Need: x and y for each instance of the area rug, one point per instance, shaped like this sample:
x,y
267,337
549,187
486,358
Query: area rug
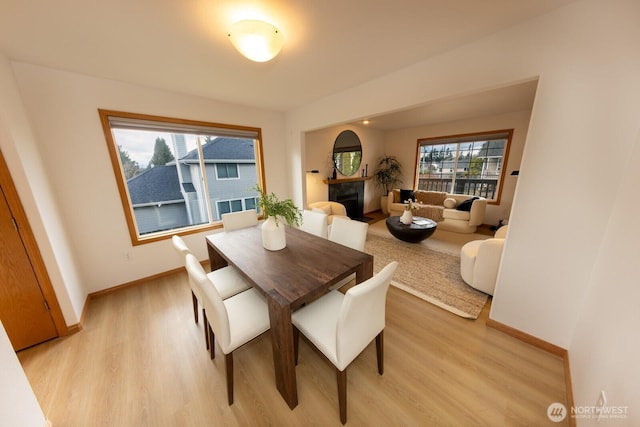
x,y
428,274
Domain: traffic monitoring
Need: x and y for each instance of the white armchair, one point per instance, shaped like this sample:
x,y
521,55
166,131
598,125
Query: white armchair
x,y
480,260
332,209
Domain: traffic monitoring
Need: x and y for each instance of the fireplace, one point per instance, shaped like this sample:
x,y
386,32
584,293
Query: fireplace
x,y
351,195
350,202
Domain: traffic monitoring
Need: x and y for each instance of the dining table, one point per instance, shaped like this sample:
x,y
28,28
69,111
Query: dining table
x,y
288,279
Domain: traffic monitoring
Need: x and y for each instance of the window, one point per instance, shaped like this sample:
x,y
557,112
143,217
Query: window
x,y
230,206
237,205
177,176
250,203
227,171
464,164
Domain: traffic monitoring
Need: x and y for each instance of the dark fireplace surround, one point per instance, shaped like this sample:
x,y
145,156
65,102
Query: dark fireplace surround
x,y
351,195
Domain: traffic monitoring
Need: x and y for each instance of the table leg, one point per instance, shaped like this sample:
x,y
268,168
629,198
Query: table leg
x,y
283,351
215,259
365,271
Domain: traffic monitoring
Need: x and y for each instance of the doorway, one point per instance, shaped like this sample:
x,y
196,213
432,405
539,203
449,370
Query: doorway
x,y
29,310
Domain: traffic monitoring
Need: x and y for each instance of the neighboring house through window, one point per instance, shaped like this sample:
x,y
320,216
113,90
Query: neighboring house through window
x,y
178,175
471,164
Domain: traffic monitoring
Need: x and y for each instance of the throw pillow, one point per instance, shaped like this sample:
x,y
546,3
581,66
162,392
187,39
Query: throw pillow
x,y
466,205
449,203
406,195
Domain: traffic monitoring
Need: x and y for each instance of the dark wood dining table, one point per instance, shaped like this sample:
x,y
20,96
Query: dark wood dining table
x,y
289,278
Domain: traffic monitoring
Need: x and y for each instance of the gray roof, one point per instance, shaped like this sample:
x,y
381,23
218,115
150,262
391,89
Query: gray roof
x,y
160,183
225,149
154,185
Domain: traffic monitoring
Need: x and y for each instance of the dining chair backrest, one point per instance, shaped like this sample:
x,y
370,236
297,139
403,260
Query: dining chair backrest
x,y
180,246
315,223
236,220
349,233
182,249
213,304
362,315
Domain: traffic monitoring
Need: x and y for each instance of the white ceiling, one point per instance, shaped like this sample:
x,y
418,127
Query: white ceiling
x,y
182,46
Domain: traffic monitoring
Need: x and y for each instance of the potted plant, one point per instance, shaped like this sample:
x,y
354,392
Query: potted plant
x,y
387,175
273,231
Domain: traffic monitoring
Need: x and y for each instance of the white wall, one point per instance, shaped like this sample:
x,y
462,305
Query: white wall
x,y
36,195
403,144
585,116
318,155
18,403
62,108
604,348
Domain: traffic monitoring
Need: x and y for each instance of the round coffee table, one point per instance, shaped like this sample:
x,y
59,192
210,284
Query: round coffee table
x,y
412,233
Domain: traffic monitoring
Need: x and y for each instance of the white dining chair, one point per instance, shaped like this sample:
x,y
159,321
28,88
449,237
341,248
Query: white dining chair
x,y
227,281
242,219
315,223
182,249
341,326
351,233
235,320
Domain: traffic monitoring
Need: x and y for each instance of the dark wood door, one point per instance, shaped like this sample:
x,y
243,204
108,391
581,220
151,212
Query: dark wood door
x,y
23,308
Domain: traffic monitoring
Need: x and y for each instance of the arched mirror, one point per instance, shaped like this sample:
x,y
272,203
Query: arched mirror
x,y
347,153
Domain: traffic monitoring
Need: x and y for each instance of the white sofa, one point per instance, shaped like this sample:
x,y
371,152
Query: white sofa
x,y
441,207
480,261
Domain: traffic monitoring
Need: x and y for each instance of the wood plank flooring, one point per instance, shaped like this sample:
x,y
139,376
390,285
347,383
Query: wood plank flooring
x,y
140,360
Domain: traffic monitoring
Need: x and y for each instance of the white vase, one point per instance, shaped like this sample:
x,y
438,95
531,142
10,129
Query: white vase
x,y
274,236
407,217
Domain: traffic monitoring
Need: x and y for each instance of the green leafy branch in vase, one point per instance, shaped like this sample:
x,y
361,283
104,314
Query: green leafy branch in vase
x,y
273,207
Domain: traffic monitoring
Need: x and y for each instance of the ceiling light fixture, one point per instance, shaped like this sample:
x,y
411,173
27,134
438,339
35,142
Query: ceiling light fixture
x,y
257,40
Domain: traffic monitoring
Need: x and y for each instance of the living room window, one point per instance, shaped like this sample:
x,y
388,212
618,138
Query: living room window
x,y
177,176
471,164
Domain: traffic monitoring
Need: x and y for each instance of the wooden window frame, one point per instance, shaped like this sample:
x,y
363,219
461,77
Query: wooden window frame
x,y
467,137
188,126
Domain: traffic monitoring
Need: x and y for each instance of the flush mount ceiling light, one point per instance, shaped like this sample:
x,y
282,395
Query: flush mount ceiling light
x,y
257,40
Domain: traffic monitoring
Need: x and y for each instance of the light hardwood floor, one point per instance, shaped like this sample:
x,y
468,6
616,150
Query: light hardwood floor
x,y
140,360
